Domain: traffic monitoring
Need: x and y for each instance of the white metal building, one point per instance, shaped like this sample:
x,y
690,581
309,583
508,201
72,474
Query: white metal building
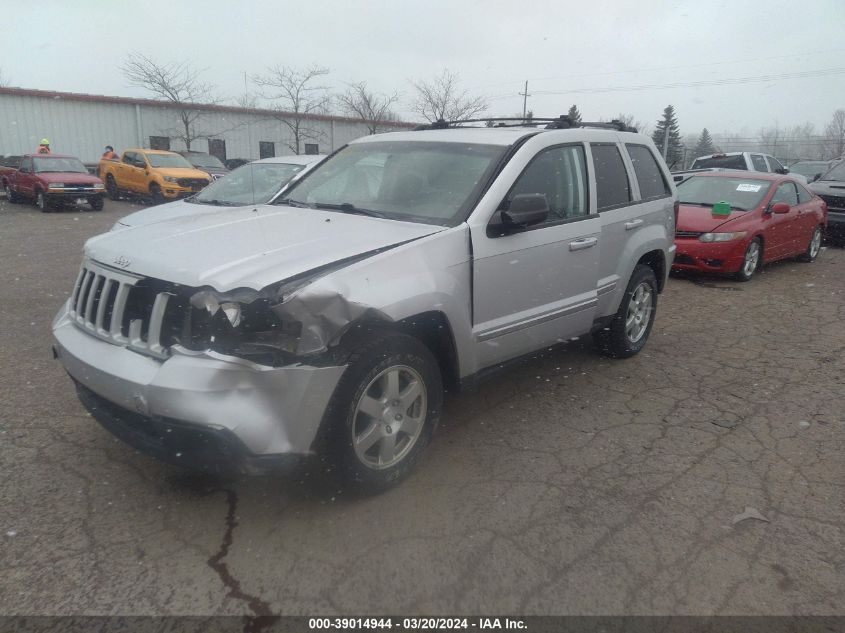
x,y
82,124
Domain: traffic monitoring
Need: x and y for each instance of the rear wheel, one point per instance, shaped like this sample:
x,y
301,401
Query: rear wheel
x,y
43,202
11,196
383,411
813,247
111,188
628,332
156,195
751,261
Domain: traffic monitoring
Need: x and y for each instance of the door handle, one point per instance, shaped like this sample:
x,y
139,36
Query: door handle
x,y
633,224
584,242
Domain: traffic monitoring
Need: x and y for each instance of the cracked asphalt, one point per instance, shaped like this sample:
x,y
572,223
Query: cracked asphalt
x,y
570,485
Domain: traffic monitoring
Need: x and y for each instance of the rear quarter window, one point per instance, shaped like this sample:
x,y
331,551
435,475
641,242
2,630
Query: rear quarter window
x,y
723,162
649,175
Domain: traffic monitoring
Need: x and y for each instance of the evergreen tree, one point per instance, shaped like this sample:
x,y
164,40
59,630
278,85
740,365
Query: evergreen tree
x,y
669,122
574,114
705,144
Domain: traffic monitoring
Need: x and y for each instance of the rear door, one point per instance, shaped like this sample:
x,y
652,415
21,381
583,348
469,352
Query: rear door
x,y
537,287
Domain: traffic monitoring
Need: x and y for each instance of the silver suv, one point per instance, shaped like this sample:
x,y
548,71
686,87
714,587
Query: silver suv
x,y
332,321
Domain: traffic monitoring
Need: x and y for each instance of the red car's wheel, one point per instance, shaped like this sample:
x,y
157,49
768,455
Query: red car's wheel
x,y
813,247
751,261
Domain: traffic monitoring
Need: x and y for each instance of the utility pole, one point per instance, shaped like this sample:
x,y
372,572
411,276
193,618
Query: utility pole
x,y
524,96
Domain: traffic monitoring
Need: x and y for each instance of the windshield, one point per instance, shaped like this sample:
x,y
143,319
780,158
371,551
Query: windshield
x,y
810,169
741,193
205,160
736,161
837,173
168,160
254,183
71,165
418,181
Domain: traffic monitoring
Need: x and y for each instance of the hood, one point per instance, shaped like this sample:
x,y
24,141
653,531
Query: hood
x,y
702,219
217,171
72,177
828,187
161,212
247,247
181,172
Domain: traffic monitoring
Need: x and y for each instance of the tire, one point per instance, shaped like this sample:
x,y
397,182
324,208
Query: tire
x,y
42,202
155,194
372,451
813,248
752,260
111,188
11,196
96,203
629,330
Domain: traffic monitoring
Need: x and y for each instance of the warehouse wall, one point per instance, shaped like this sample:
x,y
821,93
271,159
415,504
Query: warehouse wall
x,y
83,127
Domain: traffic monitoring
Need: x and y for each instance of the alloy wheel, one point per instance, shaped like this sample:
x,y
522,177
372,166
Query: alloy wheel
x,y
640,309
752,258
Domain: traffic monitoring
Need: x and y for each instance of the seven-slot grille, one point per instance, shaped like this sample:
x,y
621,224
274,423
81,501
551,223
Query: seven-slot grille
x,y
193,183
112,306
834,203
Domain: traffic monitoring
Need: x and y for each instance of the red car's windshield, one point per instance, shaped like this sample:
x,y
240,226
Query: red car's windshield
x,y
741,193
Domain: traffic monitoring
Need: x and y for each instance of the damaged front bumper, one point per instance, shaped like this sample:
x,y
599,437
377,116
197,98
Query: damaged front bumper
x,y
198,409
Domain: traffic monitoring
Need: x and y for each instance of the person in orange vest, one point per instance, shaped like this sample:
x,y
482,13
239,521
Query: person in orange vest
x,y
109,153
44,147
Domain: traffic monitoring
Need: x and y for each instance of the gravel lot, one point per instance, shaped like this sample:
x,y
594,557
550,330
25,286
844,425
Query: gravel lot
x,y
572,484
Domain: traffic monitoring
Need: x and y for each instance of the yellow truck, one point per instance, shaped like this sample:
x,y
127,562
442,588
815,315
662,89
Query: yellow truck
x,y
159,175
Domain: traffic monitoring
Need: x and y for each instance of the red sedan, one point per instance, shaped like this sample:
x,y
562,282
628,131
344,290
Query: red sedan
x,y
734,222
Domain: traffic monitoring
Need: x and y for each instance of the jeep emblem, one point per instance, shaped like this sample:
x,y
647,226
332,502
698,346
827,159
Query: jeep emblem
x,y
122,261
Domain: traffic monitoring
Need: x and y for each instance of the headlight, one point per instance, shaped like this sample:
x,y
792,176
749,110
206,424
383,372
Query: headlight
x,y
170,179
722,237
56,185
99,185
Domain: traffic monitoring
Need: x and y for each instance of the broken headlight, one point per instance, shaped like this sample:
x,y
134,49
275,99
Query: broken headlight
x,y
242,323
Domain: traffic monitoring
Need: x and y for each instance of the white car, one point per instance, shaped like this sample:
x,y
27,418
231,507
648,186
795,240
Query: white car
x,y
746,161
258,182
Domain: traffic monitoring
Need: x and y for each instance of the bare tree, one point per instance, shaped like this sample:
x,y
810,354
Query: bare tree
x,y
179,84
630,121
835,135
297,99
443,98
372,108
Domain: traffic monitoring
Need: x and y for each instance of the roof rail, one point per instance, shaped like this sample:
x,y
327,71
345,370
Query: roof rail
x,y
563,122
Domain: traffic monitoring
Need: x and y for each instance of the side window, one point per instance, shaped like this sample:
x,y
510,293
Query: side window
x,y
774,164
160,142
612,186
312,148
560,173
803,195
786,193
266,149
759,162
26,165
129,158
649,175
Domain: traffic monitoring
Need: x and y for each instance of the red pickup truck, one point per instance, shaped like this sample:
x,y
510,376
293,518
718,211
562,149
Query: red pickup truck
x,y
52,180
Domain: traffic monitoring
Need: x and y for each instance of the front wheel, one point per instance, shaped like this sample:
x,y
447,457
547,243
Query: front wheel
x,y
628,331
751,260
11,196
111,188
156,195
813,247
42,202
383,411
96,203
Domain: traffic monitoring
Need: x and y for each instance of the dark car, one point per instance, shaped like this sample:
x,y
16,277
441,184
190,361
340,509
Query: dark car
x,y
733,222
830,187
207,163
813,169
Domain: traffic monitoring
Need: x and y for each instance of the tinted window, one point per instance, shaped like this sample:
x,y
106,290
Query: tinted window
x,y
266,149
803,194
759,162
312,148
560,173
649,176
612,187
724,162
774,164
786,193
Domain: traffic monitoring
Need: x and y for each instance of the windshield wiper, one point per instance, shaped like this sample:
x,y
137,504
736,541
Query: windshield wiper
x,y
293,203
348,207
218,203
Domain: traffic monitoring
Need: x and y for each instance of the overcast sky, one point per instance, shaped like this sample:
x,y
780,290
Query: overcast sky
x,y
606,57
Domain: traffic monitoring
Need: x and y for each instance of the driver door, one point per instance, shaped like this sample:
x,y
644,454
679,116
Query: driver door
x,y
536,286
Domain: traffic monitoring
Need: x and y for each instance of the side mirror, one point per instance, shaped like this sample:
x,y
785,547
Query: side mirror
x,y
783,171
780,208
815,178
526,209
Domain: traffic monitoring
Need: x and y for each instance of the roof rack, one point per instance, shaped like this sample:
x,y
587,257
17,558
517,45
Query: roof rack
x,y
563,122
